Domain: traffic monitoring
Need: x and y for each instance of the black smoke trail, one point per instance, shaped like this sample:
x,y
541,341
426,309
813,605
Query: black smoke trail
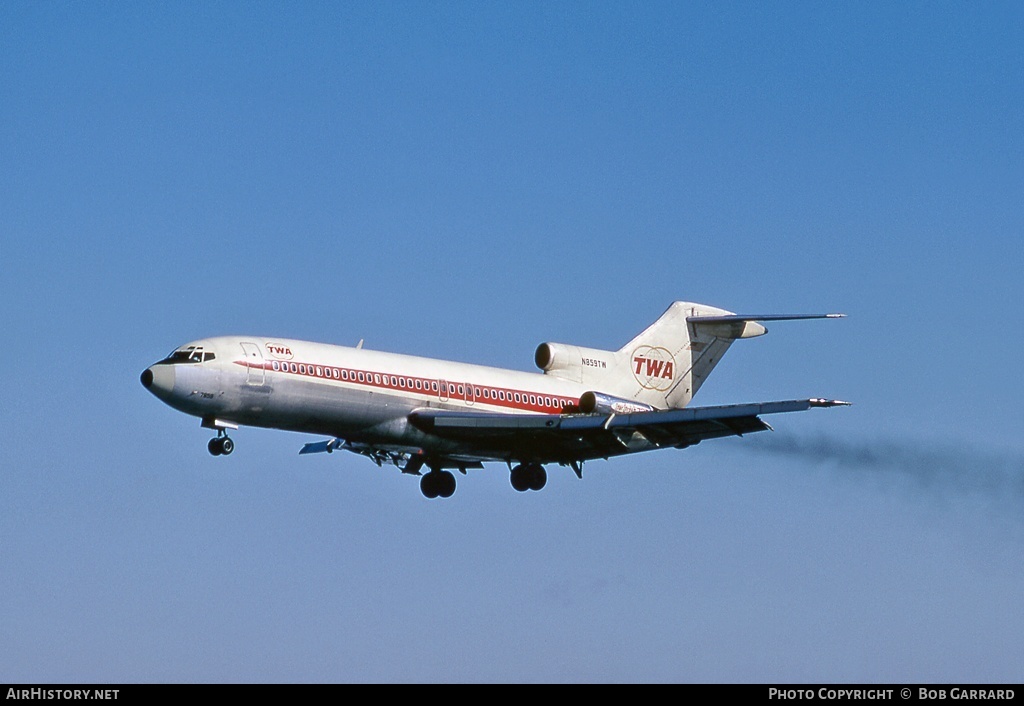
x,y
947,468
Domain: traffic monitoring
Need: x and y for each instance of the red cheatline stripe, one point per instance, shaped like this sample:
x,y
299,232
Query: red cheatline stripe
x,y
384,381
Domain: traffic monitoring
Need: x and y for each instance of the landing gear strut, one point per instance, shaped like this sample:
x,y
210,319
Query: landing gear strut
x,y
438,484
529,476
221,445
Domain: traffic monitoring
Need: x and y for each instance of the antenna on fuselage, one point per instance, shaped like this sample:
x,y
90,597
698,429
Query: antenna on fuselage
x,y
359,345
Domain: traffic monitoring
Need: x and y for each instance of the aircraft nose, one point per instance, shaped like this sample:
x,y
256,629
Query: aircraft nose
x,y
158,379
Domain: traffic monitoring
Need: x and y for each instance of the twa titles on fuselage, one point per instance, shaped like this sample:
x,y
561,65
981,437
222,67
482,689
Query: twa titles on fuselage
x,y
428,417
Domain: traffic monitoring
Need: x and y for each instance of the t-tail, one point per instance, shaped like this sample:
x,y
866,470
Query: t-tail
x,y
666,364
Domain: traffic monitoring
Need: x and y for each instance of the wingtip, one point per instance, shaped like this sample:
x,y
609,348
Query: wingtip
x,y
820,402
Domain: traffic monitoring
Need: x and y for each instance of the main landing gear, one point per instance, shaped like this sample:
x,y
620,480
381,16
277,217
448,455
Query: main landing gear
x,y
441,484
438,484
221,445
529,476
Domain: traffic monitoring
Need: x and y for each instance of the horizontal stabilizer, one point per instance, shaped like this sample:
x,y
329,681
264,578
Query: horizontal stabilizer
x,y
737,318
733,326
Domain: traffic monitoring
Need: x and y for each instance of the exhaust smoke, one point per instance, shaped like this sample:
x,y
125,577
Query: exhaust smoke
x,y
947,468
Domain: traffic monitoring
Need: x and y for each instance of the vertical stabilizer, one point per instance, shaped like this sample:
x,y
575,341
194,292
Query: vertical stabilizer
x,y
669,361
666,364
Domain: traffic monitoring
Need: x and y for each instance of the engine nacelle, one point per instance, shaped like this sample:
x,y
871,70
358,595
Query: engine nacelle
x,y
555,356
591,402
573,362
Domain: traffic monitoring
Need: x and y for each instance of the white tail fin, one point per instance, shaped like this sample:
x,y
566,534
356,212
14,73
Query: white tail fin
x,y
668,362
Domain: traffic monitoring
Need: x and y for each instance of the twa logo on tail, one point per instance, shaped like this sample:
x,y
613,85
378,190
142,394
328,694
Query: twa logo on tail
x,y
654,367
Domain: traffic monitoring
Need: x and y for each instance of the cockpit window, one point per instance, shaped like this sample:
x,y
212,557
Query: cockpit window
x,y
192,354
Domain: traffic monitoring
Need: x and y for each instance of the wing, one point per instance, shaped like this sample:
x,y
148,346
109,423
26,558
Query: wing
x,y
572,438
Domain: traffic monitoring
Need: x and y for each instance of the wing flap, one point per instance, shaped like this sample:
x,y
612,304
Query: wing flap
x,y
566,438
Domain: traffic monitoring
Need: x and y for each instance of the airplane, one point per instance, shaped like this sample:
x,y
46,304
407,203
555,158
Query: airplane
x,y
420,413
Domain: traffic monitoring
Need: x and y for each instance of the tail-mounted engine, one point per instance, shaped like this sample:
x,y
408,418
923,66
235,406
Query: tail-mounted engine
x,y
600,403
574,362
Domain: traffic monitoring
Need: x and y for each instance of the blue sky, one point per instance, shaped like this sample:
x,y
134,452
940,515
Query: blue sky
x,y
467,180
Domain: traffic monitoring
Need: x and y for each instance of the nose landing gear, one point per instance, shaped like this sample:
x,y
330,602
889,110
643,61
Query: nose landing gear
x,y
221,445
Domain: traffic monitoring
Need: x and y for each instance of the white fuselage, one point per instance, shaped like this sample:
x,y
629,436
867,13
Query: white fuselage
x,y
352,393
